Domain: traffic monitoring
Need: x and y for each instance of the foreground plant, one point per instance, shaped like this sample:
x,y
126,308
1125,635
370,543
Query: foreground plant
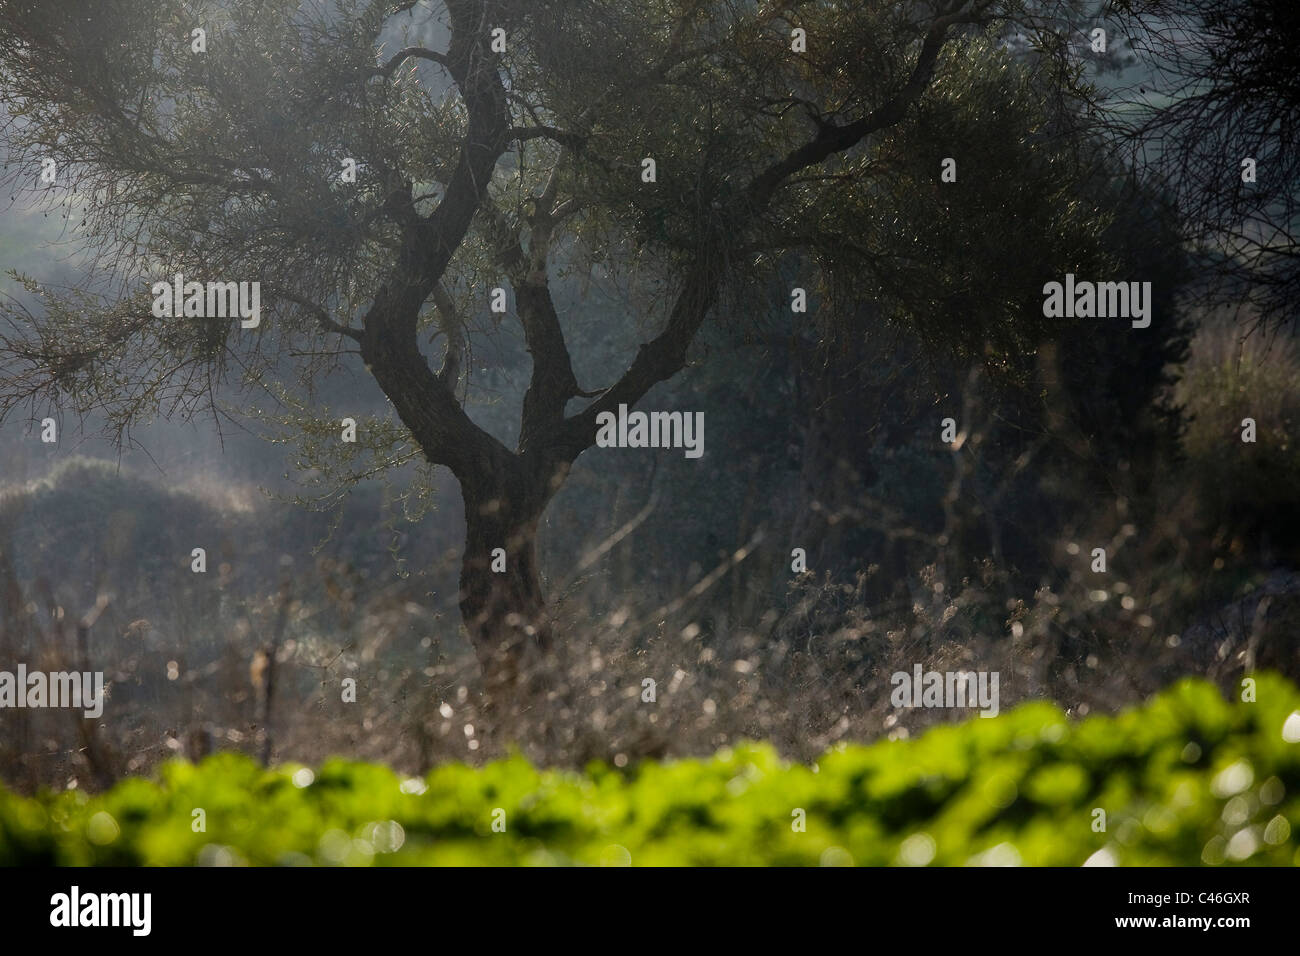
x,y
1186,779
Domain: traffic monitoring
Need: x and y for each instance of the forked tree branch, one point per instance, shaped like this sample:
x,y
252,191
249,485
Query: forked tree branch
x,y
665,355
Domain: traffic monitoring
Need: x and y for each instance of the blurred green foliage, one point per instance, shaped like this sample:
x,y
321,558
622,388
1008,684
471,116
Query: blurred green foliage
x,y
1185,779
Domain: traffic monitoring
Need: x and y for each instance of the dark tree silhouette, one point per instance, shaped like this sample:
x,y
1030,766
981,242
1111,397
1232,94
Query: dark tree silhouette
x,y
1223,91
512,136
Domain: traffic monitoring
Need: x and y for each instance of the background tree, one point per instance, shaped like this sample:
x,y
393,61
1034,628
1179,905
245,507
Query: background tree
x,y
1222,94
483,160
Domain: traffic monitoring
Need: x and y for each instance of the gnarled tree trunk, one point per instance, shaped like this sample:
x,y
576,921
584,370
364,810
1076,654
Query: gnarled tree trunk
x,y
502,603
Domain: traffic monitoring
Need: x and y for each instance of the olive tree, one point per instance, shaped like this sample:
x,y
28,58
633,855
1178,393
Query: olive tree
x,y
379,192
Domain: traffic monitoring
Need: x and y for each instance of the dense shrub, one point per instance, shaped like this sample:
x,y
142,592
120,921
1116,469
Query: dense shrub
x,y
1184,779
1250,488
